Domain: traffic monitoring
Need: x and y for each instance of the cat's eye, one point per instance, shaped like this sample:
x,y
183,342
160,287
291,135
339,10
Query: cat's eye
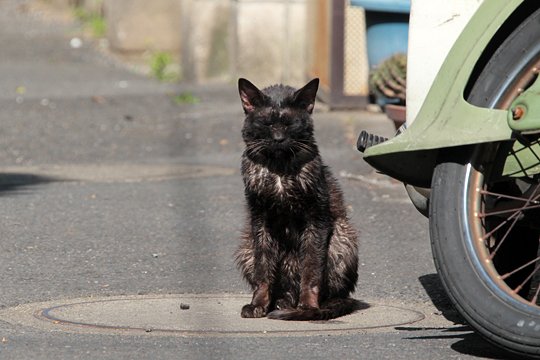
x,y
263,120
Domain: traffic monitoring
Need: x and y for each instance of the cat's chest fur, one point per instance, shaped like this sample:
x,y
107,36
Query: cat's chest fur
x,y
265,183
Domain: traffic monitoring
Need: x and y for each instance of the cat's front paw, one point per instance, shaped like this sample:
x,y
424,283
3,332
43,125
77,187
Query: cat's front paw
x,y
252,311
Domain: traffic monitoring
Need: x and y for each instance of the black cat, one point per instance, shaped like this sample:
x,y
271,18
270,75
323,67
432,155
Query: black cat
x,y
298,251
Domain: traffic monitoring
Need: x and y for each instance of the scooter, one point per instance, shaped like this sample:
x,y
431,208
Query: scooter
x,y
469,154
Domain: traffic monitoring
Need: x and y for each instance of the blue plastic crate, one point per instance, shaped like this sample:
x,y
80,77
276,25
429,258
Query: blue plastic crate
x,y
387,28
395,6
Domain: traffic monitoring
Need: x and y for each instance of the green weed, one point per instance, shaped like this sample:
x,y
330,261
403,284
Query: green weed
x,y
186,98
160,64
92,21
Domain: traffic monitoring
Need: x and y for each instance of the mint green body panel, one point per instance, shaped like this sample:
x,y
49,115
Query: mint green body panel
x,y
446,119
529,108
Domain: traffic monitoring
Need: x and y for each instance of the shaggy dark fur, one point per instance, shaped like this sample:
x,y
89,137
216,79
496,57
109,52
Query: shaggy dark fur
x,y
298,251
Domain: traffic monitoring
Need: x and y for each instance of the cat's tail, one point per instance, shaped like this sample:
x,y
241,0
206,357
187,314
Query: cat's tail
x,y
330,309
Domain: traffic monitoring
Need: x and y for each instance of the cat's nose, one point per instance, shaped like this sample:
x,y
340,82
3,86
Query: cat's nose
x,y
278,136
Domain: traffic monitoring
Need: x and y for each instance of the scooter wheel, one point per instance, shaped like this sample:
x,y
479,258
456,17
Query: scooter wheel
x,y
488,262
485,227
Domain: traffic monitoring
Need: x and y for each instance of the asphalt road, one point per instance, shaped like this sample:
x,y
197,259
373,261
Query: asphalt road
x,y
110,188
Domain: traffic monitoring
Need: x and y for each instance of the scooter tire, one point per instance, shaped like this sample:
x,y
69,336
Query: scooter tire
x,y
498,317
470,280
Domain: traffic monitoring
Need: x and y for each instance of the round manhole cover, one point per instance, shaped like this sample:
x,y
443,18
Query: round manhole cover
x,y
199,315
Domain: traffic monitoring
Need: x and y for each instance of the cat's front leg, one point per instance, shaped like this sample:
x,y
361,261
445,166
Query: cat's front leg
x,y
264,265
313,263
259,303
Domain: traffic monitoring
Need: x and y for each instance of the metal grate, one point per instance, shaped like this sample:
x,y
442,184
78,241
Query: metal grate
x,y
356,69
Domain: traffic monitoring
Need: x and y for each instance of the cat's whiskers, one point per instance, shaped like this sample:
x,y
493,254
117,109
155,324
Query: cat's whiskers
x,y
255,148
291,149
303,146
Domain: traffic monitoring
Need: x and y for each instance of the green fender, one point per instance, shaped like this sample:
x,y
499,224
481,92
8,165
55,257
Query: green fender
x,y
446,119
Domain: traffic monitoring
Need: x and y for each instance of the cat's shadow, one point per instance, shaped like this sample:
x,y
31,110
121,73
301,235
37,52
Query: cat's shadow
x,y
362,305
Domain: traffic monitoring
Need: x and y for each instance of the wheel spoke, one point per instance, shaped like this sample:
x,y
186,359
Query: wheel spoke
x,y
507,275
500,212
492,231
532,199
505,236
504,196
512,209
527,279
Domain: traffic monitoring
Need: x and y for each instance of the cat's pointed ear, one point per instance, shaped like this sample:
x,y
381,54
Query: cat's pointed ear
x,y
249,94
305,97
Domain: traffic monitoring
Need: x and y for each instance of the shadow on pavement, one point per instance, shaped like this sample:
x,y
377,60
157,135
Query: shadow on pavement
x,y
435,290
19,183
468,342
473,344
